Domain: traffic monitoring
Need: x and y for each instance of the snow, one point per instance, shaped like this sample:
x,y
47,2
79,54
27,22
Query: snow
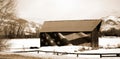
x,y
71,56
63,48
114,18
22,44
35,42
109,41
115,23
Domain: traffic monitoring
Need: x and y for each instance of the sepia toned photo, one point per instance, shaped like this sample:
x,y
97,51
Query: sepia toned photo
x,y
59,29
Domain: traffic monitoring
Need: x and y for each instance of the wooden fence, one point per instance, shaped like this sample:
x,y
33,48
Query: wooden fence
x,y
63,53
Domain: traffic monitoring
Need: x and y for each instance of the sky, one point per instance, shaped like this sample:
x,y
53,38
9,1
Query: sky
x,y
48,10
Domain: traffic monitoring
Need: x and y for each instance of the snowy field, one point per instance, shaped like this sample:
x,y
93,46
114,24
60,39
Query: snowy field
x,y
109,41
24,44
4,55
35,42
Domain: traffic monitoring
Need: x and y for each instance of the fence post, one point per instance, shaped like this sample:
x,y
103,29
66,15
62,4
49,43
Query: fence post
x,y
118,55
100,55
77,55
38,52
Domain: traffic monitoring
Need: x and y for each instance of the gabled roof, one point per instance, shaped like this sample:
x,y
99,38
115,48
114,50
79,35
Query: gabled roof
x,y
70,25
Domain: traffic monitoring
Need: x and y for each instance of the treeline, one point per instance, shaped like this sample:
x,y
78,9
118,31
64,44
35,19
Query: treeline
x,y
111,32
18,28
12,26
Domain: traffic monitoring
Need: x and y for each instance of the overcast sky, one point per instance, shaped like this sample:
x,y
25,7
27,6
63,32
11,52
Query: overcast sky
x,y
42,10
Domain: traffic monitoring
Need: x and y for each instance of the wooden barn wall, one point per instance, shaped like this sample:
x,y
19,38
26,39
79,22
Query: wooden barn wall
x,y
94,38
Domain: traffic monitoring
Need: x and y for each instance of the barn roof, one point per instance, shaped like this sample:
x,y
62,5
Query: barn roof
x,y
70,25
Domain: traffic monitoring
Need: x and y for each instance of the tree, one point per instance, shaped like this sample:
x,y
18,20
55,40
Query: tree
x,y
7,15
111,32
21,27
7,9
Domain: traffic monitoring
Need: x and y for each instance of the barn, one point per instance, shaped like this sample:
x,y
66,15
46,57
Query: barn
x,y
70,32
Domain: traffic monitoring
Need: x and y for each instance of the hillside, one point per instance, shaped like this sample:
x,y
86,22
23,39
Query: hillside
x,y
110,26
18,28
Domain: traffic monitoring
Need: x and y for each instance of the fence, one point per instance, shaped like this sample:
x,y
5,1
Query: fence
x,y
57,53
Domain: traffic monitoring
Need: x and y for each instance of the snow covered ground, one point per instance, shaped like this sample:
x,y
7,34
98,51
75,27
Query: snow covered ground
x,y
24,44
109,41
7,55
35,42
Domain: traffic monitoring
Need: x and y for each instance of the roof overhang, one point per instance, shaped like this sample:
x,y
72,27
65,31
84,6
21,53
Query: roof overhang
x,y
70,25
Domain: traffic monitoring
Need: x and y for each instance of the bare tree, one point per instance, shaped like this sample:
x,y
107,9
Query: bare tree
x,y
7,9
7,16
21,27
6,12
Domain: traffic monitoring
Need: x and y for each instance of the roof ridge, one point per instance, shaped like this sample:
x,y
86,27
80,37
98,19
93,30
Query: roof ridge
x,y
75,20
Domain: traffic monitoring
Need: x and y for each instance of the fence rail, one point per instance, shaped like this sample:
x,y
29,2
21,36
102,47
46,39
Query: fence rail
x,y
57,53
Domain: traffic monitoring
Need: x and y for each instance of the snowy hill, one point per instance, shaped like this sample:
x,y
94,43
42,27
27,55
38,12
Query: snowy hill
x,y
17,28
31,28
110,22
110,26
